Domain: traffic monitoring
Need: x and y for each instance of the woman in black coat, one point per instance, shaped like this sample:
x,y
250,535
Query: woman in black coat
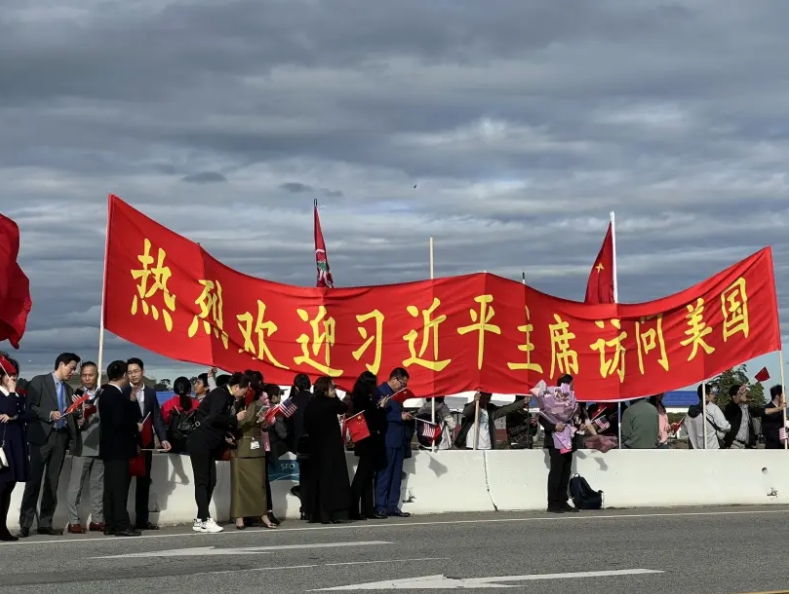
x,y
13,416
329,489
370,451
207,441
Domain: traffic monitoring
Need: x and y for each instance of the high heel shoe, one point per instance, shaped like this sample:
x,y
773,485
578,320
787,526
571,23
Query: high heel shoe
x,y
273,519
270,525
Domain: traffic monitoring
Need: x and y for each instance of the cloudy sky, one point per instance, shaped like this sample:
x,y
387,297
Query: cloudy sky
x,y
506,129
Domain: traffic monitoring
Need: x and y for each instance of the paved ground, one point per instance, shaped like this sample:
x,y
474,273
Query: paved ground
x,y
695,551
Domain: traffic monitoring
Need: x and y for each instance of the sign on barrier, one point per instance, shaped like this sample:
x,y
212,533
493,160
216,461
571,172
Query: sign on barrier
x,y
283,470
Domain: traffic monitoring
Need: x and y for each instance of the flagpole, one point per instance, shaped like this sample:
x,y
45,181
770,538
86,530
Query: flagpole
x,y
432,400
612,217
100,360
704,410
783,393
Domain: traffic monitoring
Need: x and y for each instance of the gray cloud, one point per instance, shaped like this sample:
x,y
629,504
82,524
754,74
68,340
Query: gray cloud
x,y
205,177
516,120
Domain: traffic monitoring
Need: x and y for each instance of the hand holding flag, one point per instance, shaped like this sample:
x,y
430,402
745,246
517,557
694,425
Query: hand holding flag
x,y
357,427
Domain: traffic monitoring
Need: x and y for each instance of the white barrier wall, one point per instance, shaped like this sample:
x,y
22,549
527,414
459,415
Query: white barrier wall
x,y
512,480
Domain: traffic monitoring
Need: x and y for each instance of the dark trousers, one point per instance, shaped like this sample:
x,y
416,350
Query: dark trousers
x,y
362,487
387,484
46,463
204,472
5,503
268,490
117,480
559,477
142,494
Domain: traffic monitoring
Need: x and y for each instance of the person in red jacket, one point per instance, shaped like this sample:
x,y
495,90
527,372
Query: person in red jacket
x,y
182,401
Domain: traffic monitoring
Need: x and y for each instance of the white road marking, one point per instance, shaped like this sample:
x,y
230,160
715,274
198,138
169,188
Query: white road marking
x,y
387,561
359,526
441,582
213,551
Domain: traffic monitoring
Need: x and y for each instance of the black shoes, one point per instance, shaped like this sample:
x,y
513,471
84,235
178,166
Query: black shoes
x,y
48,532
24,533
273,519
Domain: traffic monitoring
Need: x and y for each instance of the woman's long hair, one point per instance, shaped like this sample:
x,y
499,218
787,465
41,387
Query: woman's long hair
x,y
322,385
365,386
301,383
183,388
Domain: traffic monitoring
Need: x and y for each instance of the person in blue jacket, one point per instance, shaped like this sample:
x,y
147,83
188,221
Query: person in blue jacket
x,y
396,440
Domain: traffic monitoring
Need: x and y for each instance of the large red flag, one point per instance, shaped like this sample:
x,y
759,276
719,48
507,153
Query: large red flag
x,y
15,302
600,288
321,259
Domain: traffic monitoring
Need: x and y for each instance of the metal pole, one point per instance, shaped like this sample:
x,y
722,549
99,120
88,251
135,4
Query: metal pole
x,y
612,218
432,400
783,394
704,410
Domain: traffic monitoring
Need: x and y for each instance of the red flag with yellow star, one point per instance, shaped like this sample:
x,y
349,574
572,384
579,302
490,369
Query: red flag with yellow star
x,y
600,288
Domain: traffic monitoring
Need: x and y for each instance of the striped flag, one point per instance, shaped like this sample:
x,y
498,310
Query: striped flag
x,y
286,408
430,431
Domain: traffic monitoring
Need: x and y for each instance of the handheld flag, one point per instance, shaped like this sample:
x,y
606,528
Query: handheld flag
x,y
402,395
762,376
146,435
430,431
286,408
357,427
77,404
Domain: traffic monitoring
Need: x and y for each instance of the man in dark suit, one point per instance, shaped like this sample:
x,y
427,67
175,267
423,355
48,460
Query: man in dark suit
x,y
145,397
48,436
388,480
118,437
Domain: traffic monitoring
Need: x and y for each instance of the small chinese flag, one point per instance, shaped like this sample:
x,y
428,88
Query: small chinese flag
x,y
402,395
357,427
146,435
763,375
321,259
600,287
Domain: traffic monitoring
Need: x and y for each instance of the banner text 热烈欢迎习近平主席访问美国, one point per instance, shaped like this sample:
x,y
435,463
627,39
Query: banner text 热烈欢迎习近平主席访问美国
x,y
479,331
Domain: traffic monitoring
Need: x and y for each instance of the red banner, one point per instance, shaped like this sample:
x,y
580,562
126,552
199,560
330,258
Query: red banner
x,y
479,331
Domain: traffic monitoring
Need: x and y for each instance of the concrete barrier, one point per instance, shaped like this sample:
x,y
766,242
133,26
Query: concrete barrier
x,y
467,481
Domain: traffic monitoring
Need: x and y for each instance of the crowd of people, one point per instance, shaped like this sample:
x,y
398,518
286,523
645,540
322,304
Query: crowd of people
x,y
112,431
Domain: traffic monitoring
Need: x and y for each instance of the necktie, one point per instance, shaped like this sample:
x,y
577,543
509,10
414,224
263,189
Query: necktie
x,y
61,406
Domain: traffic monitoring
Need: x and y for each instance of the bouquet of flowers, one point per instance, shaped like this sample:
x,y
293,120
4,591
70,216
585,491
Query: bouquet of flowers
x,y
557,405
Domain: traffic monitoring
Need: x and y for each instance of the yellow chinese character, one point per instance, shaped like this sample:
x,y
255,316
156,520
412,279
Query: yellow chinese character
x,y
561,352
481,324
255,332
319,341
734,303
650,339
368,340
161,276
210,302
429,326
697,330
527,347
616,364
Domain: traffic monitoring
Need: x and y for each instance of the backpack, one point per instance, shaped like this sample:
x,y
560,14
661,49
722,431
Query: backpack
x,y
180,427
584,497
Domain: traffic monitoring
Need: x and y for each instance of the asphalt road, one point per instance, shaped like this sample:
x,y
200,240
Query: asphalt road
x,y
681,551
